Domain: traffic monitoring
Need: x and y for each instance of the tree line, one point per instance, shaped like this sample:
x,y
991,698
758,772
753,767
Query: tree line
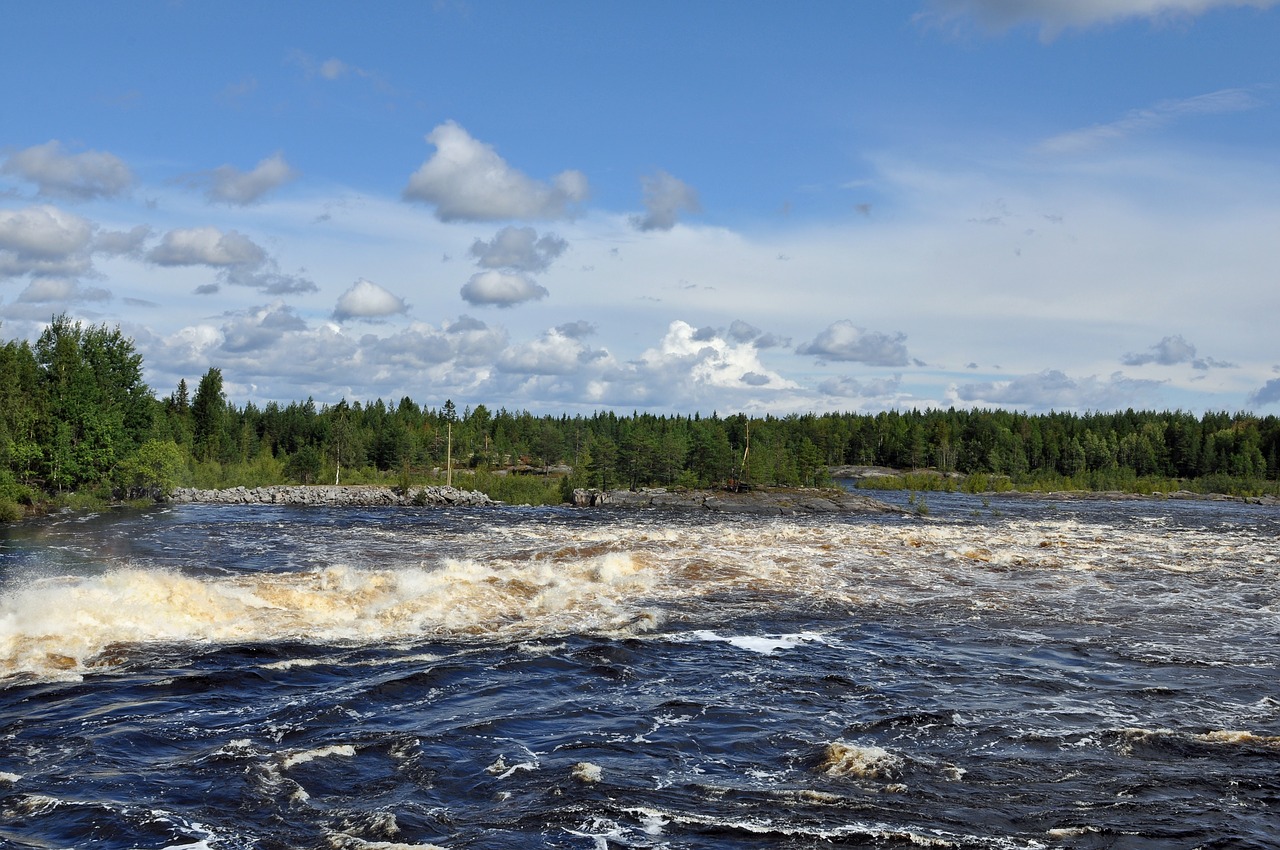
x,y
76,416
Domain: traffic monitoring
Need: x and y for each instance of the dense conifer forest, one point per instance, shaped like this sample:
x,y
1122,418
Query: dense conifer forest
x,y
77,421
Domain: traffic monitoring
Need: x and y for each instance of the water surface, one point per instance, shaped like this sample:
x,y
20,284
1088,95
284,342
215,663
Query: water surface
x,y
1003,674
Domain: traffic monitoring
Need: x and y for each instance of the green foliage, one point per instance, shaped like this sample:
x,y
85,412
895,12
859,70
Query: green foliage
x,y
154,469
209,417
95,409
84,500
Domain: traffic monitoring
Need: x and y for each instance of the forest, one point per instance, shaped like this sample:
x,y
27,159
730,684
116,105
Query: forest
x,y
78,422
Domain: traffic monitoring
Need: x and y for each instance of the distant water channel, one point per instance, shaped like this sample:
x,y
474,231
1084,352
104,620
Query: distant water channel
x,y
999,674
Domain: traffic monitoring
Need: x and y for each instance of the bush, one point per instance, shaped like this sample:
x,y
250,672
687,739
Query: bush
x,y
81,500
10,511
519,489
153,469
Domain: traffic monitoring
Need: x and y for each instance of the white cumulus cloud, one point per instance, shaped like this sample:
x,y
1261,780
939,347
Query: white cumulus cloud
x,y
501,289
206,246
366,300
260,328
80,176
686,355
44,240
466,180
237,258
553,353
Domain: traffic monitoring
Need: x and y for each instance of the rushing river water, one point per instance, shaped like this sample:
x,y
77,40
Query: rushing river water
x,y
1000,674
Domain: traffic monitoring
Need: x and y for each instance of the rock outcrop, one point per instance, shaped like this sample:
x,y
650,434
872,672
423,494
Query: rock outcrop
x,y
338,495
770,502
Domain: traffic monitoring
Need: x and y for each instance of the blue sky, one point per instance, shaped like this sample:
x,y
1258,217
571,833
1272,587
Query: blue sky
x,y
679,207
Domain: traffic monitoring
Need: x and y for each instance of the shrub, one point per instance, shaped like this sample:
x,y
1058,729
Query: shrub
x,y
10,511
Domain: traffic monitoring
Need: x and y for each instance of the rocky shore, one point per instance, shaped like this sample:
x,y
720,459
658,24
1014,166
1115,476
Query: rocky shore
x,y
764,502
338,495
772,502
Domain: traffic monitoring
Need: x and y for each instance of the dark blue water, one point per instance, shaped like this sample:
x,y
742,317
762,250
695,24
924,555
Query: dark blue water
x,y
1003,674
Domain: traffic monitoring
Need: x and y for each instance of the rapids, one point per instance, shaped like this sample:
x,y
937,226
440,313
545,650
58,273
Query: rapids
x,y
996,674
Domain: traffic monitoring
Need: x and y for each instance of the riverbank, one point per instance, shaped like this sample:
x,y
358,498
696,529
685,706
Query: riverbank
x,y
357,495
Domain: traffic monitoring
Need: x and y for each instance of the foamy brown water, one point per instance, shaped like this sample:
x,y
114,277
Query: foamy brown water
x,y
1026,675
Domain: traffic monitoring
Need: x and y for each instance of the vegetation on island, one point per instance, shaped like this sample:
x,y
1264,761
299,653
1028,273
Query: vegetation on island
x,y
77,422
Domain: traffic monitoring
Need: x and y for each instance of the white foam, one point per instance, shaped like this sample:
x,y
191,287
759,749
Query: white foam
x,y
843,758
66,627
346,841
765,826
291,663
763,644
586,772
1235,736
502,770
321,752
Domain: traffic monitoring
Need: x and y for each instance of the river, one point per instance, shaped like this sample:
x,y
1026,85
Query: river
x,y
998,673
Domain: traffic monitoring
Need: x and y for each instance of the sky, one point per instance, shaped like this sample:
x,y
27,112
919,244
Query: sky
x,y
675,207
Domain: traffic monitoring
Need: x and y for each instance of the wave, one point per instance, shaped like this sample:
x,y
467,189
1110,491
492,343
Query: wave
x,y
1133,741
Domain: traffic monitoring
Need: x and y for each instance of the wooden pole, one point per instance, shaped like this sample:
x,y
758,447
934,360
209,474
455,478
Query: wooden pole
x,y
448,456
